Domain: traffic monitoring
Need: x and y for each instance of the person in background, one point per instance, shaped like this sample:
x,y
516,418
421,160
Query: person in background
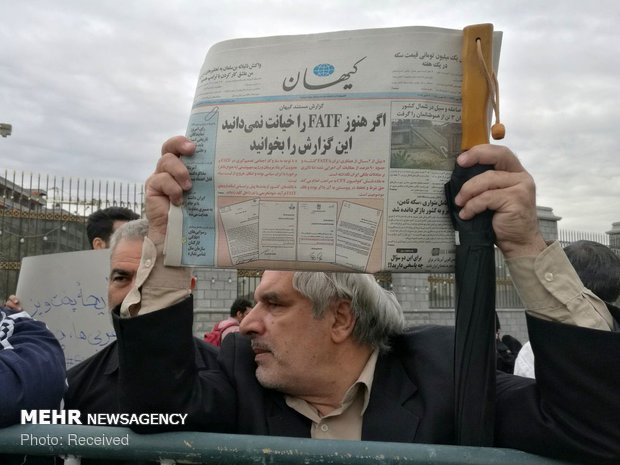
x,y
101,224
221,329
598,267
507,348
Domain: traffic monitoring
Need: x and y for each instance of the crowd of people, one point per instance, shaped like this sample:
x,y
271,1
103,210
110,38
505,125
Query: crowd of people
x,y
328,355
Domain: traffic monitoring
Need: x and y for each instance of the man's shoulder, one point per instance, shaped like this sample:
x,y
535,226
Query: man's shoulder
x,y
93,376
206,354
425,353
93,383
237,344
237,348
424,339
105,360
423,333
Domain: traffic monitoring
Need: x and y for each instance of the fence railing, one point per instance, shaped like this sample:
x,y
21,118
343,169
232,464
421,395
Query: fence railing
x,y
442,287
566,236
215,448
47,214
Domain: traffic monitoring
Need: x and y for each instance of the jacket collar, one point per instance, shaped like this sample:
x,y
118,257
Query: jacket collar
x,y
283,420
391,398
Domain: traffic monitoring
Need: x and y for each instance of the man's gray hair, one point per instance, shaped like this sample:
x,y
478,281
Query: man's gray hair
x,y
377,313
135,230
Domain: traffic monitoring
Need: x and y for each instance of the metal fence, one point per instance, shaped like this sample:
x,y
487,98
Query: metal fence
x,y
219,449
565,237
247,282
43,214
441,286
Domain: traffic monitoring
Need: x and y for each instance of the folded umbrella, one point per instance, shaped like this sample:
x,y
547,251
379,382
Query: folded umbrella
x,y
474,345
474,350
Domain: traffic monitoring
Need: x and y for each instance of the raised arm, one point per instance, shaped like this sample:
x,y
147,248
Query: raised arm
x,y
158,286
546,281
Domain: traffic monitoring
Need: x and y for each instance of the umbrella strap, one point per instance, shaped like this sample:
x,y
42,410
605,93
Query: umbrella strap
x,y
480,87
498,130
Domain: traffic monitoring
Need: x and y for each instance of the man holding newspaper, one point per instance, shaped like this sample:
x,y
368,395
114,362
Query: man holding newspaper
x,y
325,355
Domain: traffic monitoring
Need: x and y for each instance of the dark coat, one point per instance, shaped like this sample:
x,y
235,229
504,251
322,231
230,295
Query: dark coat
x,y
94,386
412,396
93,383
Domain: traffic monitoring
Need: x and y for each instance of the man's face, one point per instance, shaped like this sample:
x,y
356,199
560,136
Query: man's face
x,y
124,263
290,345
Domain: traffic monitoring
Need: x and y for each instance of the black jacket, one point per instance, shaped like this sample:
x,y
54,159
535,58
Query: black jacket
x,y
571,413
94,384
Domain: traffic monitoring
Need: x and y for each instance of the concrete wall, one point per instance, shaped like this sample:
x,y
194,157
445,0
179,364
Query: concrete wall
x,y
214,294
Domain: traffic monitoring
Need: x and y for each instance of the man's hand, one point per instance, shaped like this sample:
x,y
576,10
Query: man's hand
x,y
13,303
509,190
167,184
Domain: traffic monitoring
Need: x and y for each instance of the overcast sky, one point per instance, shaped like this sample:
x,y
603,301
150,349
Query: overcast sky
x,y
92,89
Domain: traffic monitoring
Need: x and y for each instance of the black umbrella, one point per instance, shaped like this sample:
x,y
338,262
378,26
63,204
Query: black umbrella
x,y
474,350
474,345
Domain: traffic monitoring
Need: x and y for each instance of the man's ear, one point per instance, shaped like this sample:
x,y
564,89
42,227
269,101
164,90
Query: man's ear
x,y
344,321
99,244
192,284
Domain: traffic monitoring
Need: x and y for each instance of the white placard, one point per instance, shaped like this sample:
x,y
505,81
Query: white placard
x,y
68,291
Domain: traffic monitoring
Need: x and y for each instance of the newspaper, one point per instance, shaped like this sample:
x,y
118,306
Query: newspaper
x,y
324,152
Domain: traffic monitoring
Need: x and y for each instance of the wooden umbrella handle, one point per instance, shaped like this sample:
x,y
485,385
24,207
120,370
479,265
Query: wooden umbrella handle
x,y
474,344
475,90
